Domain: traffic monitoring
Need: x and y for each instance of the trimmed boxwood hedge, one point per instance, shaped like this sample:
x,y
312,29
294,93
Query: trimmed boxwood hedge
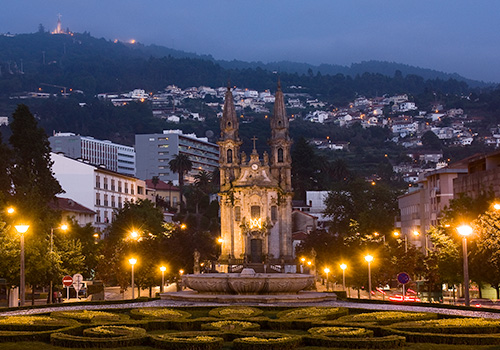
x,y
235,312
44,336
267,341
329,313
91,316
33,323
452,326
388,317
230,326
118,336
344,332
451,339
159,313
186,341
387,342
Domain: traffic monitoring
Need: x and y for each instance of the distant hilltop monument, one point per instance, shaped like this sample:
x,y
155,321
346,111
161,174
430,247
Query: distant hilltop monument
x,y
59,29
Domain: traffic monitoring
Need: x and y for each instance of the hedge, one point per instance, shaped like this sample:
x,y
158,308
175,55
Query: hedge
x,y
44,336
235,312
159,312
33,323
230,325
329,313
187,342
387,342
345,332
452,326
131,336
267,341
451,339
91,316
388,317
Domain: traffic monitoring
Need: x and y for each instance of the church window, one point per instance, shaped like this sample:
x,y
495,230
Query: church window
x,y
229,155
228,124
280,155
237,213
255,212
274,213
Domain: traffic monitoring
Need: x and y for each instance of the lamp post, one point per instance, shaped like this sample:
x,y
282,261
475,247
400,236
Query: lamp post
x,y
162,269
369,259
132,262
22,282
326,270
343,267
64,228
464,231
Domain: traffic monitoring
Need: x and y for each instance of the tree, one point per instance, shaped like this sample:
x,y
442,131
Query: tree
x,y
431,141
5,167
181,164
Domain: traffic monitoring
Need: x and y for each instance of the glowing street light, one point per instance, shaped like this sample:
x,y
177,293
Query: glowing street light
x,y
369,259
22,228
326,270
464,231
162,269
132,262
343,267
10,210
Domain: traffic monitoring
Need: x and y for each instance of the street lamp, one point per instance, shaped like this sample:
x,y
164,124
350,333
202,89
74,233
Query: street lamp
x,y
63,227
22,228
326,270
162,269
464,231
132,262
343,267
369,259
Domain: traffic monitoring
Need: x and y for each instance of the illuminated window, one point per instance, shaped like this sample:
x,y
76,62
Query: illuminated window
x,y
237,213
255,211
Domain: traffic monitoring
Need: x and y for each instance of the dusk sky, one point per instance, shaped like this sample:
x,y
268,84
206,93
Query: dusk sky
x,y
459,36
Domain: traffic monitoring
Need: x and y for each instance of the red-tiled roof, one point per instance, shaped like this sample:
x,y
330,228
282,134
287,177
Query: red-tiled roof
x,y
161,185
67,204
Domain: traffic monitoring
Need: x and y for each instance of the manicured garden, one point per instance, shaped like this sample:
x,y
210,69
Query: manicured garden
x,y
247,328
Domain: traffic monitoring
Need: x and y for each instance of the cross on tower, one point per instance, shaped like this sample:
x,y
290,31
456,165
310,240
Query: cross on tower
x,y
254,139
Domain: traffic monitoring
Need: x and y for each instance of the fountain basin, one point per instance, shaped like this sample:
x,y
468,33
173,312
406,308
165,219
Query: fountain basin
x,y
248,282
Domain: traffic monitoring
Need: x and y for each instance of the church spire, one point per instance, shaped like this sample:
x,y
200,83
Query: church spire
x,y
279,120
229,123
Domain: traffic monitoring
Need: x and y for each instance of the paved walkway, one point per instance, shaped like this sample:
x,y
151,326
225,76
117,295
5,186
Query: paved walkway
x,y
171,303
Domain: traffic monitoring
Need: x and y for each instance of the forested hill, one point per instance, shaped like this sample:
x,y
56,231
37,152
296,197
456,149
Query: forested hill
x,y
93,65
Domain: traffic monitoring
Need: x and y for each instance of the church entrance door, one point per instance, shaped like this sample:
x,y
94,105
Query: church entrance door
x,y
256,251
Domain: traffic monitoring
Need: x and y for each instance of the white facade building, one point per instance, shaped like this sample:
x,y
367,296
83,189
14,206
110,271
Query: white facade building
x,y
99,189
113,156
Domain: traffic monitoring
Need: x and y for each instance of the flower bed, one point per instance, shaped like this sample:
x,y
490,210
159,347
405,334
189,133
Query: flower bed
x,y
313,312
33,323
346,332
112,331
235,312
230,325
90,316
159,312
388,317
186,342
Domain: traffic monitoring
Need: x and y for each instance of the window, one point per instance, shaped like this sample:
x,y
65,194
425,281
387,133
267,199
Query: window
x,y
237,213
105,200
126,187
105,183
280,155
229,155
112,185
97,199
255,212
106,219
274,213
98,216
119,186
132,189
151,139
97,181
120,202
113,201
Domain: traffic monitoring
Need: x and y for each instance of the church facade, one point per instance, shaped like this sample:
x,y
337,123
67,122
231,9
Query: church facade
x,y
256,195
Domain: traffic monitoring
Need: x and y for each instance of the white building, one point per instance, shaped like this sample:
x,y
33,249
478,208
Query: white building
x,y
113,156
98,189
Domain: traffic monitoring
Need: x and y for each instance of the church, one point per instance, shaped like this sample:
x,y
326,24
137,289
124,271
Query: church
x,y
256,195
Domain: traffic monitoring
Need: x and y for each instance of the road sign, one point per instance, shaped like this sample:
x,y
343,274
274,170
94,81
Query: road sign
x,y
67,281
77,282
403,278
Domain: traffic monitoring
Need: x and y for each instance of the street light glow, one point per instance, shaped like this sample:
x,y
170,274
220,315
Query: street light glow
x,y
11,210
22,228
464,230
343,266
369,258
134,234
163,269
132,261
496,206
416,233
396,233
220,240
326,270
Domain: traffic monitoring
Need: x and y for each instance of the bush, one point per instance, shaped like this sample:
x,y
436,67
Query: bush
x,y
230,325
33,323
345,332
103,337
451,339
313,312
159,312
187,342
267,341
388,317
452,326
235,312
391,341
90,316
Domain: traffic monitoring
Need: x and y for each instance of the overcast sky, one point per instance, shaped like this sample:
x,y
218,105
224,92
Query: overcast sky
x,y
459,36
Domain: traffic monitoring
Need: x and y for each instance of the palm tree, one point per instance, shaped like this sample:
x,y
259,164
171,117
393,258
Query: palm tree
x,y
181,164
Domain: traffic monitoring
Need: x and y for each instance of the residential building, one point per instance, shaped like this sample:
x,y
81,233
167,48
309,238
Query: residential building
x,y
96,188
113,156
155,151
73,210
482,175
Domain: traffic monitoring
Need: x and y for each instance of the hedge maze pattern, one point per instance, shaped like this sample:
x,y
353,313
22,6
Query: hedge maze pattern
x,y
247,328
